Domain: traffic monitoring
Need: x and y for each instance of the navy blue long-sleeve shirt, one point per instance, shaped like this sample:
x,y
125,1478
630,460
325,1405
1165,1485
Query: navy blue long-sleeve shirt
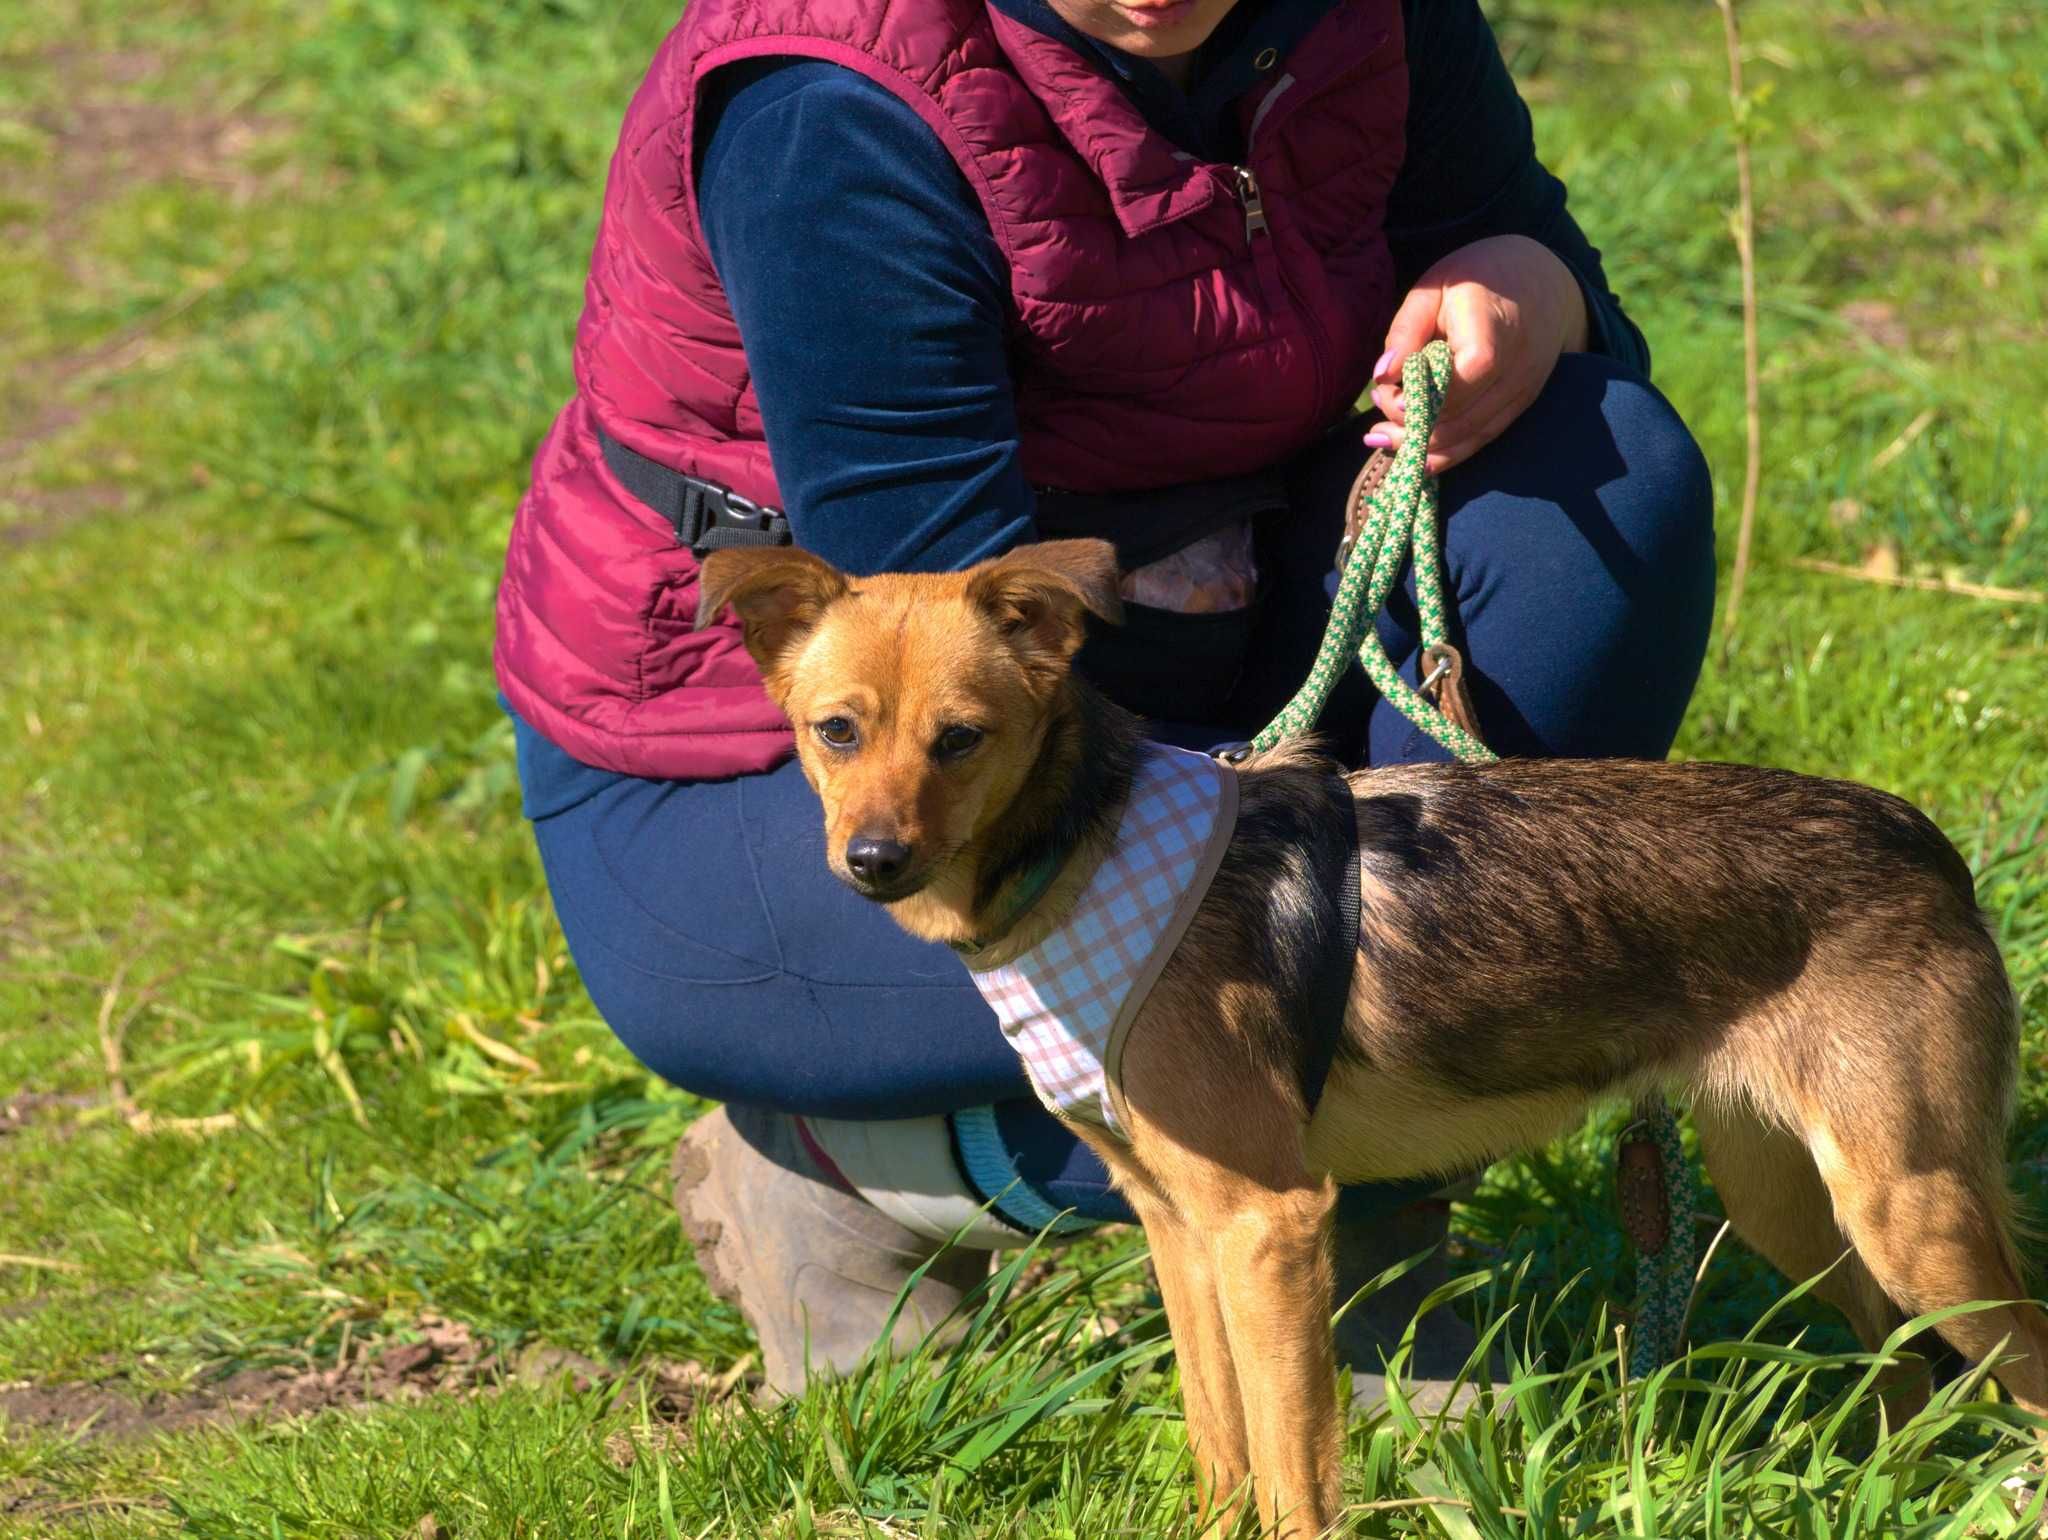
x,y
872,297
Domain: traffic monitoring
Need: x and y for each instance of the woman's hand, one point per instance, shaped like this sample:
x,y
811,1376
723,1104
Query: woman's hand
x,y
1508,307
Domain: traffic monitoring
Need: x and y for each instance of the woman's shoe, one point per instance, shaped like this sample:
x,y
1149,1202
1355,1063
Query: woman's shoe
x,y
814,1267
1371,1330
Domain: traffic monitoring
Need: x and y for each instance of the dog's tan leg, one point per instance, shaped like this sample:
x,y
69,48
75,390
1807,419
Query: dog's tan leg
x,y
1263,1235
1218,1133
1272,1255
1780,1207
1935,1235
1201,1345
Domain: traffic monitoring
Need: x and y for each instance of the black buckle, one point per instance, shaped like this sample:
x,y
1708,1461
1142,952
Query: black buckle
x,y
705,515
726,515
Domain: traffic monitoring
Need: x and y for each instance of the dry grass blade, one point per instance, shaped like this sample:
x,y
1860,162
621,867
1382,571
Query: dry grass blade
x,y
1932,585
1904,441
463,1025
111,1035
1700,1276
722,1386
44,1264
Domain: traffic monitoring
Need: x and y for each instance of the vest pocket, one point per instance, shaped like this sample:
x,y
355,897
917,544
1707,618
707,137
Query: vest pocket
x,y
1220,571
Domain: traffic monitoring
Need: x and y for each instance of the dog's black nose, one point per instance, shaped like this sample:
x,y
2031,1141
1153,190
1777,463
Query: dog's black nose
x,y
874,860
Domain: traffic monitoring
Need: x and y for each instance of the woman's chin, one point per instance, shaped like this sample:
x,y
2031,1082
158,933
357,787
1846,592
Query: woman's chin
x,y
1161,24
1151,29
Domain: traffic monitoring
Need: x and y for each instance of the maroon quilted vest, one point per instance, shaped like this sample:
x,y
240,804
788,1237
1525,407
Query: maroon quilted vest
x,y
1173,321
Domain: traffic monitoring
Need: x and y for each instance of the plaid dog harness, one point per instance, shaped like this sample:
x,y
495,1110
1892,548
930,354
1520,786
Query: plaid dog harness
x,y
1067,1004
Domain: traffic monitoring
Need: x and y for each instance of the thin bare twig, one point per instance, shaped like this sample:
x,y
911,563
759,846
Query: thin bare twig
x,y
1930,585
1752,380
1621,1368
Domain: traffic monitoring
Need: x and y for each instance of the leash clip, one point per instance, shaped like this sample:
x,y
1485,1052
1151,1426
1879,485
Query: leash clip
x,y
1444,685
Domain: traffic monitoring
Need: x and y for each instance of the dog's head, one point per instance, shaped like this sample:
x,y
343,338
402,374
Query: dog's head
x,y
919,701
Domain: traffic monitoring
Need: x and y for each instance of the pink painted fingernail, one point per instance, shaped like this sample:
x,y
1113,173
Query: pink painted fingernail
x,y
1379,370
1379,439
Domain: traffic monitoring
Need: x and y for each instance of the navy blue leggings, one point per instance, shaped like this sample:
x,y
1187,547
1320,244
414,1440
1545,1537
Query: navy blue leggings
x,y
727,958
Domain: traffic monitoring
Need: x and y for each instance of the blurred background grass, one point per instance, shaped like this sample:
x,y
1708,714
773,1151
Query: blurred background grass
x,y
285,302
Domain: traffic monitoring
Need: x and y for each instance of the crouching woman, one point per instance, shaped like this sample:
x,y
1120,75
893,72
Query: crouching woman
x,y
912,284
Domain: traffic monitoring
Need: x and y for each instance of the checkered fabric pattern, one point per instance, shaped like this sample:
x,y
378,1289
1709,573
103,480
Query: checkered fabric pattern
x,y
1060,1003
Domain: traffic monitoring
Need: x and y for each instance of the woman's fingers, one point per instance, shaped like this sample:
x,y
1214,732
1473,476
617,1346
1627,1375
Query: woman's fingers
x,y
1455,440
1416,324
1508,307
1489,348
1468,438
1480,349
1467,411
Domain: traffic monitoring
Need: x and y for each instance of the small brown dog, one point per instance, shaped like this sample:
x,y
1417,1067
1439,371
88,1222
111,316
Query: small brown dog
x,y
1802,959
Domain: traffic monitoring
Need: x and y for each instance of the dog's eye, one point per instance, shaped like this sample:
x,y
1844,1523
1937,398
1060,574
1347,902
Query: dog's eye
x,y
957,740
838,732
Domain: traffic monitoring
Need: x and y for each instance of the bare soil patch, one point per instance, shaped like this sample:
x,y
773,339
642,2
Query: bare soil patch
x,y
105,136
101,135
57,509
447,1359
1877,322
26,1107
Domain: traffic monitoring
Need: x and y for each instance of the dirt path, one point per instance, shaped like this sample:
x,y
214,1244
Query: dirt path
x,y
444,1358
99,135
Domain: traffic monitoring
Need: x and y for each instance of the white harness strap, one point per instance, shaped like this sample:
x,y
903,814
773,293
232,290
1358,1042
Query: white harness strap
x,y
1067,1004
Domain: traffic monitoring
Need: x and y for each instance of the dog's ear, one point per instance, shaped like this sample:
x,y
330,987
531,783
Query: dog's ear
x,y
1040,595
778,591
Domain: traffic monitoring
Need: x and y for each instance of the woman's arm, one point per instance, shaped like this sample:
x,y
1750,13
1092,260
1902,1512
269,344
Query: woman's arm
x,y
872,300
1492,259
870,296
1471,170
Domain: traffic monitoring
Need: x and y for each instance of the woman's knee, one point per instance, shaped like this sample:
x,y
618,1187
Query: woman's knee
x,y
1666,493
1600,474
1664,510
788,1043
1582,546
662,993
821,1007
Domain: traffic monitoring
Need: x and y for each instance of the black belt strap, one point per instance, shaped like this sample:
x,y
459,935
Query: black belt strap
x,y
706,516
1329,995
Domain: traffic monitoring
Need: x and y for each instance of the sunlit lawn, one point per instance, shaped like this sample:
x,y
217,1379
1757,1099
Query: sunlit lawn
x,y
286,297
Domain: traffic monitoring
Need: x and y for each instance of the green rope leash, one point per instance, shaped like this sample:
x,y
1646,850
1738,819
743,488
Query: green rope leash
x,y
1663,1241
1402,521
1401,517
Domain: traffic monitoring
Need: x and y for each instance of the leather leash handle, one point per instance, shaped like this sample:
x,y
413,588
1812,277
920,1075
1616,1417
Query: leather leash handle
x,y
1442,667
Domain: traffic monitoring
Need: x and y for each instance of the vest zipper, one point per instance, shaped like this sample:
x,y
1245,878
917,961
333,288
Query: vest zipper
x,y
1255,225
1254,203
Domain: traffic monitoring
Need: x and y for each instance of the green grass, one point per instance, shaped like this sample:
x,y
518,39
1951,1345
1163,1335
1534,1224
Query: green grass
x,y
287,296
